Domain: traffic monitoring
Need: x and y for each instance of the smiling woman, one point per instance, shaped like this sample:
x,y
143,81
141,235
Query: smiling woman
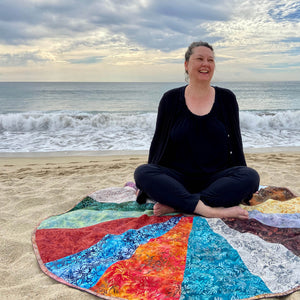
x,y
196,162
199,66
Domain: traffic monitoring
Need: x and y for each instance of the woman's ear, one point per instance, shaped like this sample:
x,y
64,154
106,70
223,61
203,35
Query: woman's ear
x,y
186,67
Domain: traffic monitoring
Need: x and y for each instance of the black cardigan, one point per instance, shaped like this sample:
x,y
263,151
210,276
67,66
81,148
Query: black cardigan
x,y
166,116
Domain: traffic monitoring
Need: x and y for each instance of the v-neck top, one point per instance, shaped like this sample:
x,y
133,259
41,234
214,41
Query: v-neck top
x,y
198,145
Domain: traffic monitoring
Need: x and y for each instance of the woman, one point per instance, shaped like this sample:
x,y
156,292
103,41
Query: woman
x,y
196,162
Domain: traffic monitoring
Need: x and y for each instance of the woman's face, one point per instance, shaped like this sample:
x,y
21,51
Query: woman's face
x,y
201,65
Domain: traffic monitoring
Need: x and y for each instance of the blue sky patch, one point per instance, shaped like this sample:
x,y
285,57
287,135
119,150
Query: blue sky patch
x,y
86,60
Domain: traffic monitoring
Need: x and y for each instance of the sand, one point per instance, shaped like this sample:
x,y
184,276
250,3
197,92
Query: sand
x,y
33,188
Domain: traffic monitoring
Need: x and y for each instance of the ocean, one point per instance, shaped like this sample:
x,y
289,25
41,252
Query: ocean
x,y
61,116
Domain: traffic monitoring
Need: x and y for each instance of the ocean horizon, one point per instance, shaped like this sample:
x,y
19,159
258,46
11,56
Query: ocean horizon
x,y
108,117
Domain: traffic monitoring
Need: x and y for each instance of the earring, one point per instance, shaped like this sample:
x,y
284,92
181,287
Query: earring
x,y
186,76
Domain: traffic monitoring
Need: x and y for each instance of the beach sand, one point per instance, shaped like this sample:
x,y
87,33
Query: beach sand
x,y
34,188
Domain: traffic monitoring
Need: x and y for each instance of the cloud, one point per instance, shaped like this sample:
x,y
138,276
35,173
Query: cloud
x,y
152,24
246,34
24,21
22,59
159,25
253,30
289,11
192,10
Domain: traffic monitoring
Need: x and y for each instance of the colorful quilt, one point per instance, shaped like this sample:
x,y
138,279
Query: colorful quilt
x,y
110,246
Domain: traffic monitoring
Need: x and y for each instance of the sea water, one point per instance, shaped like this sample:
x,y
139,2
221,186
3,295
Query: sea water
x,y
46,117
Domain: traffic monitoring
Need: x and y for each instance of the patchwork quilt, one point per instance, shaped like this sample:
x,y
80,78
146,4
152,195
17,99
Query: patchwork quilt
x,y
111,246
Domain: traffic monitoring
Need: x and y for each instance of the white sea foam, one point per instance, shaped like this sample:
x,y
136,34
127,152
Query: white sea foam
x,y
82,131
270,129
280,120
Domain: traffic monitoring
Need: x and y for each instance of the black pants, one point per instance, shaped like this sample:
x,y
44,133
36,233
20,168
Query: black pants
x,y
223,189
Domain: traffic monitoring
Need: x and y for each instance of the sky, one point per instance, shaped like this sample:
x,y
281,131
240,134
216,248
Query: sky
x,y
145,40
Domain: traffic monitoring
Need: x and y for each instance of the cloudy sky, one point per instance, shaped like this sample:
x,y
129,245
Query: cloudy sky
x,y
145,40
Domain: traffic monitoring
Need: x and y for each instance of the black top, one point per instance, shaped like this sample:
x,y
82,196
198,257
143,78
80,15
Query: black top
x,y
168,112
198,145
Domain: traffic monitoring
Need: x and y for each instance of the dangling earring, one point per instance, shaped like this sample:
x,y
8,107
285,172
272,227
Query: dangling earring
x,y
186,76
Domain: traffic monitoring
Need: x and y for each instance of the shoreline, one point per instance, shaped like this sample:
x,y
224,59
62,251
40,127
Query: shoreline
x,y
45,154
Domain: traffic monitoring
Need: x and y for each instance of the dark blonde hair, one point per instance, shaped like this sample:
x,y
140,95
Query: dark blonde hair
x,y
193,45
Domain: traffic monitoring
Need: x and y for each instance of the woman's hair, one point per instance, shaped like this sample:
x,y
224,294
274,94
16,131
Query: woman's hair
x,y
193,45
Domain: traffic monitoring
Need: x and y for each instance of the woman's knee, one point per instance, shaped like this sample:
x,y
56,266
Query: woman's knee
x,y
140,171
144,173
247,180
252,178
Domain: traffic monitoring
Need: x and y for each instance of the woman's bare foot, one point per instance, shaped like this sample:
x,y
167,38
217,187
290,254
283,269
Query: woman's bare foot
x,y
221,212
161,209
206,211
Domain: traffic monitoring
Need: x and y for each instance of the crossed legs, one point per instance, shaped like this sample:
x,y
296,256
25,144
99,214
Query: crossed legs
x,y
219,196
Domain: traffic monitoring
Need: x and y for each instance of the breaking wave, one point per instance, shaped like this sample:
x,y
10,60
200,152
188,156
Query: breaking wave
x,y
80,131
